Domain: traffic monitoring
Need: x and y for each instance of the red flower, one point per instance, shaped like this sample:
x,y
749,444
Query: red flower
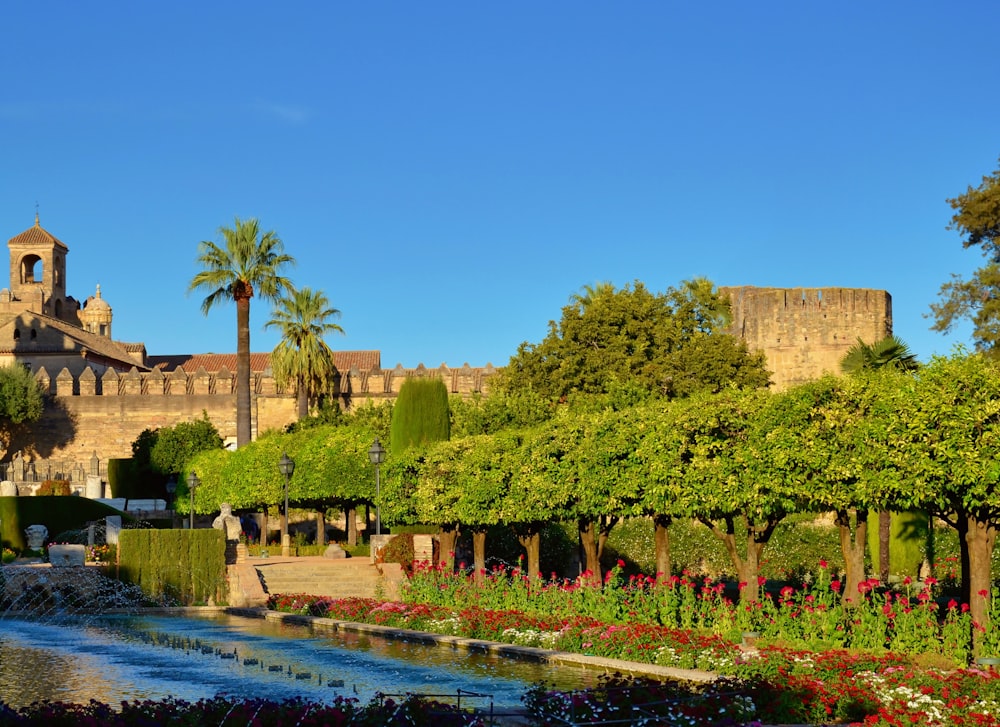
x,y
835,586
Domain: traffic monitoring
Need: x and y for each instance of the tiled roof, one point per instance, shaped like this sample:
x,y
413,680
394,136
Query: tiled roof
x,y
36,235
79,339
259,362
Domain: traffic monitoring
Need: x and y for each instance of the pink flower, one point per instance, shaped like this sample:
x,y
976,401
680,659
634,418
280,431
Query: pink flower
x,y
822,564
930,580
621,563
835,586
952,604
761,580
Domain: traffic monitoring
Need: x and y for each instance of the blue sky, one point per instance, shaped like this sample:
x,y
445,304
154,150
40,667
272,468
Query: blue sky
x,y
449,173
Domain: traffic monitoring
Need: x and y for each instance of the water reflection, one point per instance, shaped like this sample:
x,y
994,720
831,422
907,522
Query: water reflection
x,y
122,658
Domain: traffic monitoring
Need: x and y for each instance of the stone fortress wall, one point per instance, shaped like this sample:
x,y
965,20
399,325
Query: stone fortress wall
x,y
92,415
804,332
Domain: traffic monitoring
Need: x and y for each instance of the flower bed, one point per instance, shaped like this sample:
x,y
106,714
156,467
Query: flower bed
x,y
907,663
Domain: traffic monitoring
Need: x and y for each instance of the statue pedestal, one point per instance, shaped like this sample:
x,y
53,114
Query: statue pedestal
x,y
286,545
67,556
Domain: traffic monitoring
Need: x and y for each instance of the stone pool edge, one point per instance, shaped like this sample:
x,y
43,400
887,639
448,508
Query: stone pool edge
x,y
495,648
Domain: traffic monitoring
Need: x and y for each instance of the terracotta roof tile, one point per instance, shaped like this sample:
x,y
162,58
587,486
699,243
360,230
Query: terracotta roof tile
x,y
36,235
259,362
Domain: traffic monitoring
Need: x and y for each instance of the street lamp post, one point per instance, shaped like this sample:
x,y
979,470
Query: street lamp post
x,y
193,482
377,455
286,466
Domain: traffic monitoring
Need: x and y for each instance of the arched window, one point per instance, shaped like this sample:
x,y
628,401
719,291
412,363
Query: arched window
x,y
32,270
17,334
34,334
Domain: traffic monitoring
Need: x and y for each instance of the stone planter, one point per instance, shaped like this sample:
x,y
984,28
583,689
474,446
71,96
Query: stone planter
x,y
67,556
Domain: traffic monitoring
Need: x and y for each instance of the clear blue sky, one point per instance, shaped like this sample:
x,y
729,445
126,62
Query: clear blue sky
x,y
449,173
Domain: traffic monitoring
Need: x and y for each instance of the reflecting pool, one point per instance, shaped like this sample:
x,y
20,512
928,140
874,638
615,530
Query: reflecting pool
x,y
116,658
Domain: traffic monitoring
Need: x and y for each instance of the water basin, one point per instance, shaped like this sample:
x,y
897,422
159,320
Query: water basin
x,y
116,658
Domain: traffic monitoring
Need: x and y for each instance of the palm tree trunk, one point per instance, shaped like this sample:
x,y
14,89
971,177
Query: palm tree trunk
x,y
243,431
302,392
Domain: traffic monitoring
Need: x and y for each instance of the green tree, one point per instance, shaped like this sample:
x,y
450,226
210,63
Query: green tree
x,y
302,357
21,399
249,262
420,414
977,219
672,344
945,432
176,445
891,352
21,403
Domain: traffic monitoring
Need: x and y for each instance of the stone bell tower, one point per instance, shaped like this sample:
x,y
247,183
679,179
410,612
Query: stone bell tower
x,y
38,273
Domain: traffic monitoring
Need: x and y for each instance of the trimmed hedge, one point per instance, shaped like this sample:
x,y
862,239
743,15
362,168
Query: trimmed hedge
x,y
181,566
58,514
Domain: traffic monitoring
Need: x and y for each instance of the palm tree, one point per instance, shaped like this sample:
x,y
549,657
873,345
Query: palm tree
x,y
589,293
890,352
302,356
248,263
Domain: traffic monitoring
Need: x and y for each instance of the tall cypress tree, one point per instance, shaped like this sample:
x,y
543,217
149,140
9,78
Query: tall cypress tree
x,y
420,414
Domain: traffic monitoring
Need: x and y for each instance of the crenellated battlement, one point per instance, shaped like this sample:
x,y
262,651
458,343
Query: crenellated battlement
x,y
350,386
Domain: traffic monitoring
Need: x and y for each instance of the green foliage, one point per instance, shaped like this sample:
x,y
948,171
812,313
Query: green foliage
x,y
184,566
671,344
907,541
302,357
518,409
175,445
249,263
799,543
58,514
420,414
21,399
332,469
977,219
890,352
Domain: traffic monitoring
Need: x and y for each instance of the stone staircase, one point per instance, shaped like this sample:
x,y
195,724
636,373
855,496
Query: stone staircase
x,y
337,578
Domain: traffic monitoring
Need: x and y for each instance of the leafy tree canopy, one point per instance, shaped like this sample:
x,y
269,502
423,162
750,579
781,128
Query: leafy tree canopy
x,y
977,219
21,399
166,450
671,344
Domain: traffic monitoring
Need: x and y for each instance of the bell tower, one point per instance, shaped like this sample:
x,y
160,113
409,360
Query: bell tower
x,y
38,272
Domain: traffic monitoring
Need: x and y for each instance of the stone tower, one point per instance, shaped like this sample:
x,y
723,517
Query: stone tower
x,y
805,332
38,273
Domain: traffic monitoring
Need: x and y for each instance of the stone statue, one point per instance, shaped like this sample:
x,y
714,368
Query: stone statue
x,y
36,535
228,522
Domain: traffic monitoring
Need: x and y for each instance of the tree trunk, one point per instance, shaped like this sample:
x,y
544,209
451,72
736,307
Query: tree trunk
x,y
479,555
263,528
852,547
302,398
981,537
531,542
884,528
447,538
321,527
243,430
964,559
661,538
748,566
605,523
351,526
592,559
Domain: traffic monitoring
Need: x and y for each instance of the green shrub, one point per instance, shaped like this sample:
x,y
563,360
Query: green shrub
x,y
420,414
58,514
182,566
907,542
